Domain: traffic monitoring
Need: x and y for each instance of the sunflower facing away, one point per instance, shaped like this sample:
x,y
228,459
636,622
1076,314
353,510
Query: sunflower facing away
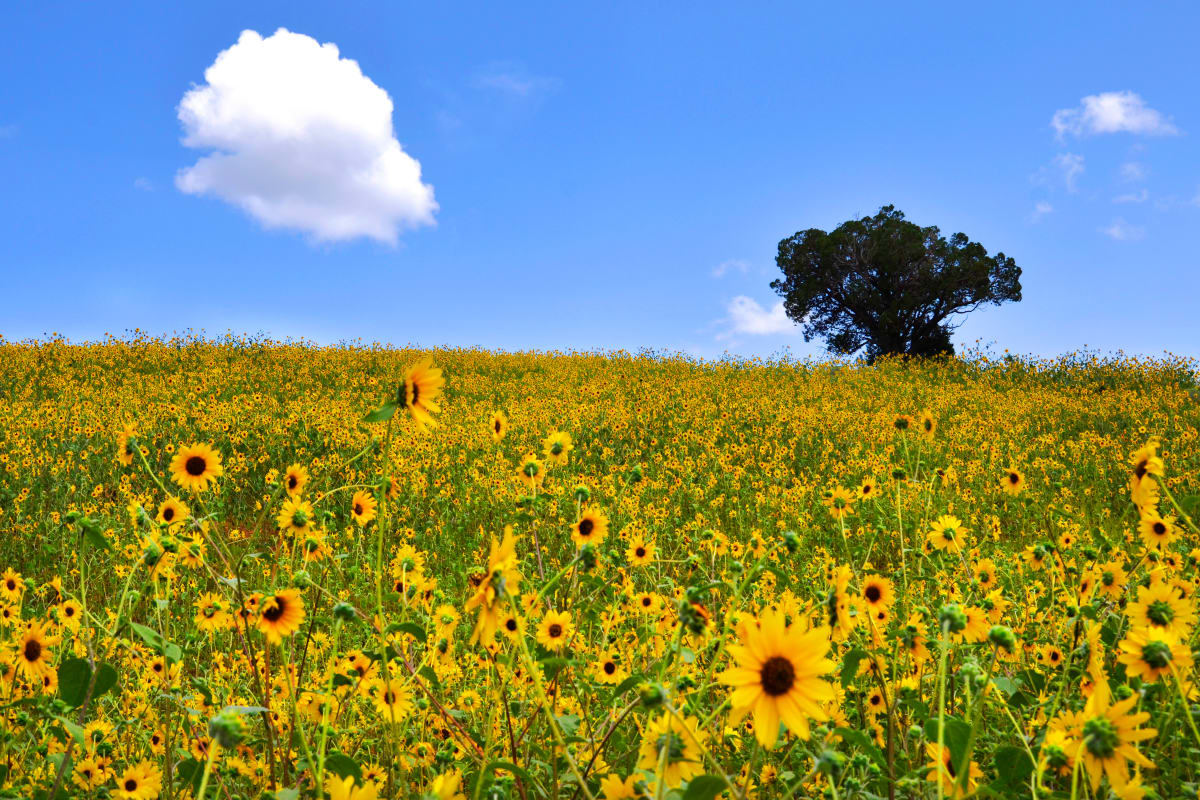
x,y
557,447
778,677
195,466
422,386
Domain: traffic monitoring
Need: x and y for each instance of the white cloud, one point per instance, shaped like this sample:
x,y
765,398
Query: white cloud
x,y
1133,197
1111,112
732,265
1071,167
144,184
746,316
1040,210
1133,171
511,79
302,140
1122,231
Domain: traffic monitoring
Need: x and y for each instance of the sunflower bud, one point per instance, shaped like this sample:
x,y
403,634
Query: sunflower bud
x,y
301,579
1002,636
951,618
226,728
582,493
587,557
791,540
343,612
652,695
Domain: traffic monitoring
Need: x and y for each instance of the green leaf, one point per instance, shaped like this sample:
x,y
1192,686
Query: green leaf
x,y
343,766
1009,686
93,536
569,723
287,794
106,679
862,742
190,771
153,640
245,710
73,729
955,737
704,787
510,767
412,629
1013,765
381,414
73,678
850,663
627,684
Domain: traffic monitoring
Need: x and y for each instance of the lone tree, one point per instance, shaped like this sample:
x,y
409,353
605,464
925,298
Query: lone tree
x,y
888,285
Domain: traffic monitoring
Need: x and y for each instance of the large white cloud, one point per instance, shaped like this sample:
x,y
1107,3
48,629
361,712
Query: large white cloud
x,y
746,316
302,140
1111,112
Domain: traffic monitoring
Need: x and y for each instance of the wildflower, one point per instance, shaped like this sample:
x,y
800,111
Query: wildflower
x,y
295,479
868,489
607,670
943,771
210,613
840,502
140,782
674,743
125,450
778,677
172,512
1106,737
363,507
446,786
195,466
555,630
531,471
296,515
557,447
12,585
947,532
501,580
592,528
393,700
1155,530
420,390
33,656
614,787
280,615
345,789
1160,607
877,592
926,425
1013,482
1149,654
640,552
498,426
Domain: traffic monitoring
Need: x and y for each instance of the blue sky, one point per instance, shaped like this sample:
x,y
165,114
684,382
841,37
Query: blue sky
x,y
603,176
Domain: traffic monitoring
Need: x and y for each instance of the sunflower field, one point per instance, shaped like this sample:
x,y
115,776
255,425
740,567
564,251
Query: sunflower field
x,y
246,568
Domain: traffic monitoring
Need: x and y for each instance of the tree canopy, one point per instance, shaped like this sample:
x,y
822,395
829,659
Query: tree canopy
x,y
888,285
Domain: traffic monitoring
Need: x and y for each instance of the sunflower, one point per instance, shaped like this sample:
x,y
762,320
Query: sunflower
x,y
839,604
614,787
393,700
878,592
531,472
172,512
70,614
419,392
1159,606
1111,579
195,466
1155,530
501,581
344,789
125,451
984,571
1104,735
941,769
363,508
295,479
926,425
280,614
640,552
592,528
840,502
211,615
868,489
1012,482
557,447
607,670
33,654
555,630
296,516
675,745
903,422
141,782
498,426
947,532
1149,654
778,677
12,585
446,786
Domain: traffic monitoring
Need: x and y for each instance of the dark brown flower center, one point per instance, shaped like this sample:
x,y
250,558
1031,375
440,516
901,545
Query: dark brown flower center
x,y
274,611
777,676
585,527
555,630
195,466
33,650
130,785
873,593
609,668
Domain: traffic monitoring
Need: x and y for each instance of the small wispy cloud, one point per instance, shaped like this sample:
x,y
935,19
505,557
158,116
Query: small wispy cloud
x,y
511,79
144,184
1122,231
744,315
732,265
1133,171
1065,169
1041,209
1133,197
1111,112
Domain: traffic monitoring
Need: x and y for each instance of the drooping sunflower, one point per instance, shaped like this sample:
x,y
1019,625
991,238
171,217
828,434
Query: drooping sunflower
x,y
1159,606
555,630
840,502
947,533
296,516
558,446
676,745
295,479
33,656
1012,482
195,466
592,528
1106,735
419,392
502,580
498,426
778,677
1149,654
531,471
280,614
839,605
140,782
363,507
